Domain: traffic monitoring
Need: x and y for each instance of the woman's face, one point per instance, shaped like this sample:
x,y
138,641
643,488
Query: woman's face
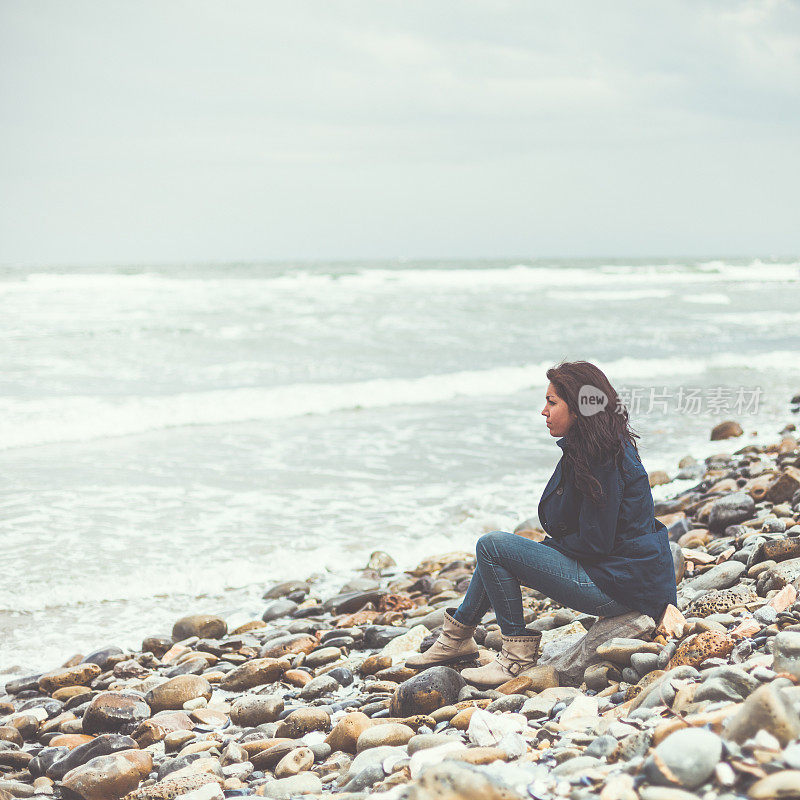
x,y
557,415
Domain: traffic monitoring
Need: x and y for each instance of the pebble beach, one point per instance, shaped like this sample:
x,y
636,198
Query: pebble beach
x,y
313,697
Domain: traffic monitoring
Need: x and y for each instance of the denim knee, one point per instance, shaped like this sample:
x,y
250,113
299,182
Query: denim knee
x,y
487,543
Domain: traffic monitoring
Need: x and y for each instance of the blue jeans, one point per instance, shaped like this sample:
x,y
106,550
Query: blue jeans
x,y
505,561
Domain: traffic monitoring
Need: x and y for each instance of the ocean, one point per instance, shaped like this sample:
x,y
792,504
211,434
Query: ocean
x,y
175,438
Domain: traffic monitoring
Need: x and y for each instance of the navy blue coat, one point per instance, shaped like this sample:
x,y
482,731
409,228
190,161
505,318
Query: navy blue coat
x,y
621,545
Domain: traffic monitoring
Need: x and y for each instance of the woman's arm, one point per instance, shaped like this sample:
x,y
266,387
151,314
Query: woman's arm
x,y
597,524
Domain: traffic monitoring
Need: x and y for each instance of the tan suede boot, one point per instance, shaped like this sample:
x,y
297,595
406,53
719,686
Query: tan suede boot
x,y
518,653
454,644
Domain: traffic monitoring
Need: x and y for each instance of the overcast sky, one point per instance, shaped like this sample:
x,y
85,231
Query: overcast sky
x,y
161,131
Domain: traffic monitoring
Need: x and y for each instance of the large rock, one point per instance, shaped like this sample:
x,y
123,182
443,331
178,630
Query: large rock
x,y
113,712
285,588
321,656
725,683
177,691
571,662
157,645
726,430
454,780
768,708
105,658
347,730
730,510
658,687
780,549
160,725
379,560
350,602
783,488
393,734
81,675
252,710
293,786
700,647
540,704
109,777
294,762
68,740
561,632
28,683
721,601
407,643
46,758
426,741
620,651
278,608
535,679
598,676
103,745
780,575
291,644
783,784
722,576
686,758
13,759
380,635
188,787
316,687
427,691
204,626
254,673
374,756
786,653
303,721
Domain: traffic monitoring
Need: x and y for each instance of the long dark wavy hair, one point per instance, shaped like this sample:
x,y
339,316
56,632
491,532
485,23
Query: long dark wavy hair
x,y
593,438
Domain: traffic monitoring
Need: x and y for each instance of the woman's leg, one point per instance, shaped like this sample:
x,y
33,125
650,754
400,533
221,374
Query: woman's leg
x,y
500,584
475,603
507,561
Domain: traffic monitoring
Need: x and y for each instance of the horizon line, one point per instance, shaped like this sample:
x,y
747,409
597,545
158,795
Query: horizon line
x,y
392,259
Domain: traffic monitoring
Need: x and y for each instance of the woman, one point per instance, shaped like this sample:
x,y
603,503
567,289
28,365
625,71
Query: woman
x,y
606,555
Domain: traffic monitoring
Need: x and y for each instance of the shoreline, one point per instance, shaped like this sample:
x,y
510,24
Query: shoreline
x,y
236,602
314,698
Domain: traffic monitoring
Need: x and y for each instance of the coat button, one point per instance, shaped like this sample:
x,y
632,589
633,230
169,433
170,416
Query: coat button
x,y
562,526
560,490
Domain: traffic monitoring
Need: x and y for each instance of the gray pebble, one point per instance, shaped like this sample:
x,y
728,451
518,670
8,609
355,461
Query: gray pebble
x,y
688,756
509,702
644,663
601,747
